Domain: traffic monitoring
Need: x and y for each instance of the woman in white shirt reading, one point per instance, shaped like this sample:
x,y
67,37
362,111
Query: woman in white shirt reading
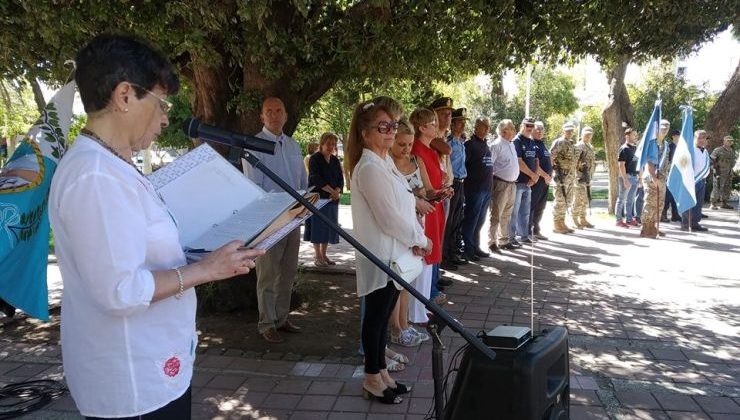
x,y
384,219
128,308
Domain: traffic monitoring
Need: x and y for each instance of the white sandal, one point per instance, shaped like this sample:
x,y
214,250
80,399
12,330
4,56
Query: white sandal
x,y
398,357
393,365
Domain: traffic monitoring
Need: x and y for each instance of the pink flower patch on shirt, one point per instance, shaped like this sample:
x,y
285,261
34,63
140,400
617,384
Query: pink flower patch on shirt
x,y
172,367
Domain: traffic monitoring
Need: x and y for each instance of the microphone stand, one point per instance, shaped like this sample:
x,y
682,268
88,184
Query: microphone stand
x,y
437,322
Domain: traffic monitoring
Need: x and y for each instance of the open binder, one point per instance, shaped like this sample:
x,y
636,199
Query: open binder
x,y
214,203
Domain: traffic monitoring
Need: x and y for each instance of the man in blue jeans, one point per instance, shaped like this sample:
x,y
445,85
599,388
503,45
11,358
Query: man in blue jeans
x,y
627,181
526,151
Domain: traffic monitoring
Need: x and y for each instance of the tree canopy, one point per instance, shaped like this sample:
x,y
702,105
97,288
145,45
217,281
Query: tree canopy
x,y
674,92
234,53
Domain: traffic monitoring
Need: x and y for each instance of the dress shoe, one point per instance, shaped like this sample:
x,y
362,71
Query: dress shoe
x,y
510,246
527,241
675,219
699,228
516,243
704,216
447,265
480,253
472,257
272,336
495,248
289,327
444,282
458,260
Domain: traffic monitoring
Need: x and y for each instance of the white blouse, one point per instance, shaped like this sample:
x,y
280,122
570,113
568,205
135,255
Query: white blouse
x,y
123,355
383,216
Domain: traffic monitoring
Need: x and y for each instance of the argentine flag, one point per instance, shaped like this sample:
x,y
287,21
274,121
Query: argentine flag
x,y
681,176
649,136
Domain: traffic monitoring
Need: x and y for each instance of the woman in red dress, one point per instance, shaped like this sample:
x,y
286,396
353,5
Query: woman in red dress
x,y
425,126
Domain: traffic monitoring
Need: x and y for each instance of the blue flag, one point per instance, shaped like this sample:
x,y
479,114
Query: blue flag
x,y
681,177
649,137
24,222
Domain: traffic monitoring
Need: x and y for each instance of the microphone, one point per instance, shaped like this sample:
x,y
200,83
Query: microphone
x,y
196,129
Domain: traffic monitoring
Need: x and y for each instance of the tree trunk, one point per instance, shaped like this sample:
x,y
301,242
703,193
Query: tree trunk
x,y
38,95
213,93
724,115
618,110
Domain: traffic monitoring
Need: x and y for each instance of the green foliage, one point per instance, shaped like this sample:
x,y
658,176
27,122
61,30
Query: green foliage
x,y
551,93
592,118
172,136
300,49
674,92
78,121
17,108
333,111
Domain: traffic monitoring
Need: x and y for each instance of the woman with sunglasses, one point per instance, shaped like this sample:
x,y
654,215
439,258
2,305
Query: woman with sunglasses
x,y
128,309
384,219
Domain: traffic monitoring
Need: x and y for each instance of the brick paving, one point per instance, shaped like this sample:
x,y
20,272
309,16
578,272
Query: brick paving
x,y
653,327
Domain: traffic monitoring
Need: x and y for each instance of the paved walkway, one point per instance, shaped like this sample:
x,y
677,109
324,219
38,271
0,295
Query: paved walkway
x,y
653,330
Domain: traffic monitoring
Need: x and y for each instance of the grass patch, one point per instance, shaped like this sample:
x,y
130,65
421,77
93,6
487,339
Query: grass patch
x,y
345,198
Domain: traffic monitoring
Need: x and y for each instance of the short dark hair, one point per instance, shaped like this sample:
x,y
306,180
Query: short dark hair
x,y
110,59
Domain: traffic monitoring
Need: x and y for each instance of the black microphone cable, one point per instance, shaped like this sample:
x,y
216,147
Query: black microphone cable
x,y
20,398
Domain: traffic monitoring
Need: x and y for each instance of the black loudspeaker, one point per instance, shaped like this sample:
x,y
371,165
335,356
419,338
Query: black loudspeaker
x,y
528,383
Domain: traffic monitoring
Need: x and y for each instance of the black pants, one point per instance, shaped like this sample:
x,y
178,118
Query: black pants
x,y
378,307
670,202
450,246
537,208
177,409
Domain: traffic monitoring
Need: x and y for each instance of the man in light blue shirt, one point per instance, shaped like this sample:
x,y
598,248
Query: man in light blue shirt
x,y
503,193
276,270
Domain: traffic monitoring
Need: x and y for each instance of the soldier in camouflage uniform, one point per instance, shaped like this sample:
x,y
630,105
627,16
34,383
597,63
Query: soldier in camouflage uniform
x,y
584,173
723,160
564,159
654,182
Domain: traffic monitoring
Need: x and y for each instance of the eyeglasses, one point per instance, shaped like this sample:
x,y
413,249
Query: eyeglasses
x,y
164,105
529,125
385,127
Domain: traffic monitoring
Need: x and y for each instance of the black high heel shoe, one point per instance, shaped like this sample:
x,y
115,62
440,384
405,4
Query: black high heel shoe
x,y
401,389
388,397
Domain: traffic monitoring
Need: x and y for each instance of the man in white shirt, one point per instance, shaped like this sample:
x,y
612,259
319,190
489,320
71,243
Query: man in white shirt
x,y
505,173
276,270
692,217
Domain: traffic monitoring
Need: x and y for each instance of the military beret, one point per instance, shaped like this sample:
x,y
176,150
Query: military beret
x,y
460,113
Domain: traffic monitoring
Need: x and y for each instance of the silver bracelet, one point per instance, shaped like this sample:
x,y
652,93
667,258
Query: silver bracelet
x,y
178,295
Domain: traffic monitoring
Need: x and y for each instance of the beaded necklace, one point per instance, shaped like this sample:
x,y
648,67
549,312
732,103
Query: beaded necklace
x,y
107,147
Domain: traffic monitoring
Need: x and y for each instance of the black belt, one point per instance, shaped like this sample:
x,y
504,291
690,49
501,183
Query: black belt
x,y
458,180
495,178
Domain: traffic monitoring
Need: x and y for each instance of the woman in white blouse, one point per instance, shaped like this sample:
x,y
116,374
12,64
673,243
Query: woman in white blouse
x,y
128,308
384,219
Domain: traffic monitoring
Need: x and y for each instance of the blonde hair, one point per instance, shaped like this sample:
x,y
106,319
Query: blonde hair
x,y
420,117
405,127
312,147
364,114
